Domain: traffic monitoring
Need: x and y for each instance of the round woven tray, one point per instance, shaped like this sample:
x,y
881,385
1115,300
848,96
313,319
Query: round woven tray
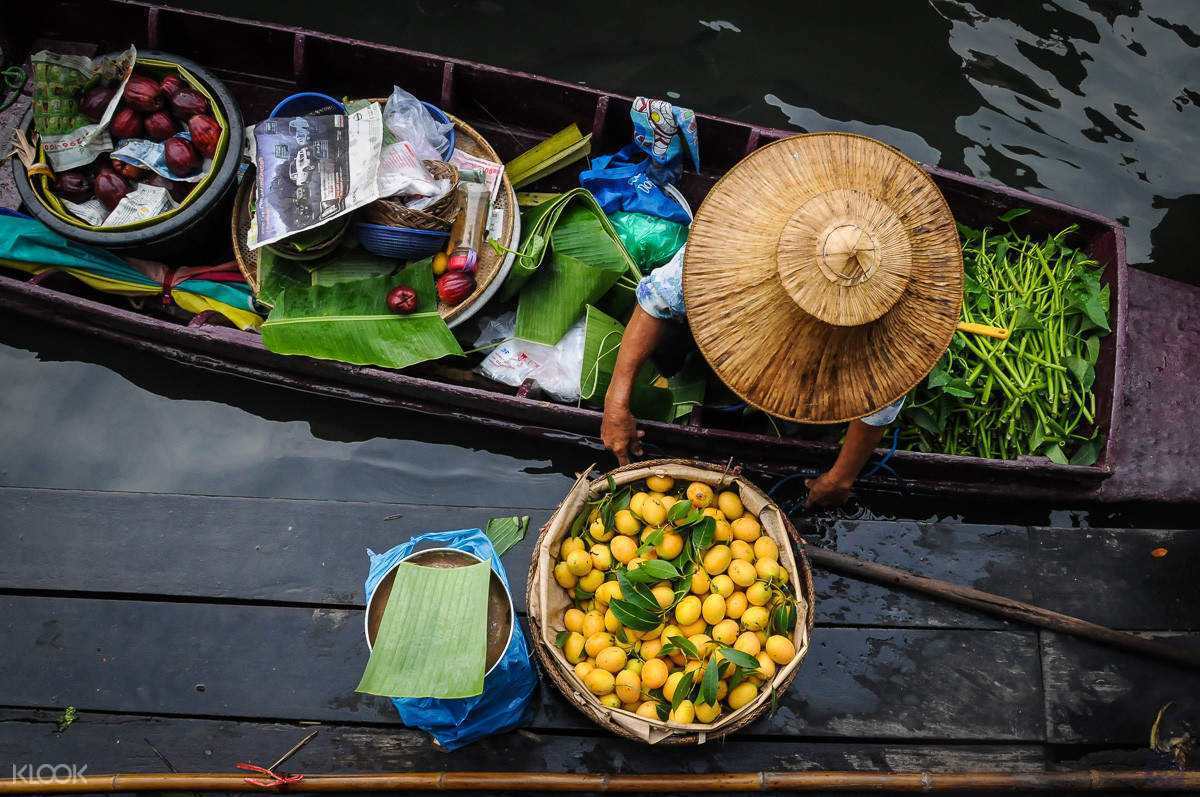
x,y
491,267
543,628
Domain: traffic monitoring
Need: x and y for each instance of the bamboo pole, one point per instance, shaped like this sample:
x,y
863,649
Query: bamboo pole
x,y
1000,606
1081,781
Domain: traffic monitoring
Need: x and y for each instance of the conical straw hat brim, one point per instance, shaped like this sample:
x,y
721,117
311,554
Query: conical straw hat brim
x,y
750,329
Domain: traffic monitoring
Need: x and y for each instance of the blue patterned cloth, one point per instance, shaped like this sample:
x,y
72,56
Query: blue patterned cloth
x,y
660,294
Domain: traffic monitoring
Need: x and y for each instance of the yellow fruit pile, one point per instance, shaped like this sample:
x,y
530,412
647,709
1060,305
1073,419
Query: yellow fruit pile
x,y
680,608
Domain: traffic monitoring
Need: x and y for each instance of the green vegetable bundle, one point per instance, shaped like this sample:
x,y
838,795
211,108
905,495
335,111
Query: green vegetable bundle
x,y
1031,394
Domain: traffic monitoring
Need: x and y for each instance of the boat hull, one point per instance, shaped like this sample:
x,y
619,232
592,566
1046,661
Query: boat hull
x,y
261,63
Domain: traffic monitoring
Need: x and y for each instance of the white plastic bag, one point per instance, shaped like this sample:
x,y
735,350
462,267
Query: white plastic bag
x,y
409,120
555,369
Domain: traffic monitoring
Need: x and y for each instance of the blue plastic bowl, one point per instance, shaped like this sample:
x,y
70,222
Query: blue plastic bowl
x,y
438,114
402,243
305,103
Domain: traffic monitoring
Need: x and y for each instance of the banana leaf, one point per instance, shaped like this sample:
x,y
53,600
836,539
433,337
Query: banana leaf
x,y
538,223
556,152
277,273
688,386
351,265
350,322
584,264
601,342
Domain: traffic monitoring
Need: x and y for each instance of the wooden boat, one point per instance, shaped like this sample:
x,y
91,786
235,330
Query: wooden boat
x,y
1148,440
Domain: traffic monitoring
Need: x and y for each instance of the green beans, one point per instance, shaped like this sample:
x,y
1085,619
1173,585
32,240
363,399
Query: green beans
x,y
1031,394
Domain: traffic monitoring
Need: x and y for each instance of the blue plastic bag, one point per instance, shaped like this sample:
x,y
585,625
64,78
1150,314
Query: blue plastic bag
x,y
506,701
632,179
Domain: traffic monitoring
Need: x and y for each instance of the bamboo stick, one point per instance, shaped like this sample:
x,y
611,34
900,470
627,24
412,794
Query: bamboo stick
x,y
1085,780
1000,606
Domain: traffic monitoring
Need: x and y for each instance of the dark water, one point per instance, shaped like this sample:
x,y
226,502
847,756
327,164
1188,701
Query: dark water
x,y
1093,103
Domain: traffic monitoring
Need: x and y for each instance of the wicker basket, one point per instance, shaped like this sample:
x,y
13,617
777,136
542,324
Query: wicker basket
x,y
491,265
438,217
546,601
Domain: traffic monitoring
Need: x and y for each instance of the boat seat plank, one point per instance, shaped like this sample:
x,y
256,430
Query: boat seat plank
x,y
1157,437
245,549
1112,577
299,664
123,742
987,557
1098,695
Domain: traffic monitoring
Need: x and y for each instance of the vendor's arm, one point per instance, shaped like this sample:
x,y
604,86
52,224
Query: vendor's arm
x,y
832,487
619,429
659,302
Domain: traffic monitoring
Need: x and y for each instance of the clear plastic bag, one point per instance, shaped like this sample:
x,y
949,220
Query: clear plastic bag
x,y
408,120
555,369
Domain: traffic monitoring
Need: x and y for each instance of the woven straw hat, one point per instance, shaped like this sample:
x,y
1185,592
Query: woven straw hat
x,y
823,277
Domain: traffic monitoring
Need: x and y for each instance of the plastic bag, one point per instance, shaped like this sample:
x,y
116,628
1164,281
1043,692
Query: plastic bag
x,y
408,120
632,179
555,369
507,698
650,240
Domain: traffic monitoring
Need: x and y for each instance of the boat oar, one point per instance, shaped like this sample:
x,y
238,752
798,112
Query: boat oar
x,y
998,605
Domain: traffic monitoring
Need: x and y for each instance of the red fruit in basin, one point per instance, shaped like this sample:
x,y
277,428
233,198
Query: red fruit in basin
x,y
182,158
187,103
126,170
454,286
126,123
110,188
160,126
205,134
73,185
402,299
171,84
94,101
143,94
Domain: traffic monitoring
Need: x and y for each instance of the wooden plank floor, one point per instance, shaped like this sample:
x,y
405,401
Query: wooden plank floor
x,y
218,628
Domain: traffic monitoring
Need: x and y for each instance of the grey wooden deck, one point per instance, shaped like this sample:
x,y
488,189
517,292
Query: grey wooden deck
x,y
217,628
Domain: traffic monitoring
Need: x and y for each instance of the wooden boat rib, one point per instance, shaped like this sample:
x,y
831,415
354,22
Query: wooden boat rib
x,y
261,63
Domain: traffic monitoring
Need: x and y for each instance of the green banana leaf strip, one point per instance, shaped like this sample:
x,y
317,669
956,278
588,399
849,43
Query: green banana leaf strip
x,y
555,299
588,235
601,342
505,532
350,322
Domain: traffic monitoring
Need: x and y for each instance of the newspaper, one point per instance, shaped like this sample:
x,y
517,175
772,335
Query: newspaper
x,y
92,211
143,202
147,154
311,169
69,138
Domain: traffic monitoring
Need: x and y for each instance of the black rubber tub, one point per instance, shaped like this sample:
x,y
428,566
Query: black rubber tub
x,y
197,234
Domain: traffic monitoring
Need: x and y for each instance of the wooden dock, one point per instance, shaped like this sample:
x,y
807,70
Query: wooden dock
x,y
215,629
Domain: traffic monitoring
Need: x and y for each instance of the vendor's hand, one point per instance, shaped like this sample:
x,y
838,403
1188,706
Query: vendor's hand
x,y
620,434
827,490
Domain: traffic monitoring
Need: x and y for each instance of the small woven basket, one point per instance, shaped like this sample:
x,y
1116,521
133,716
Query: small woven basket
x,y
546,601
438,217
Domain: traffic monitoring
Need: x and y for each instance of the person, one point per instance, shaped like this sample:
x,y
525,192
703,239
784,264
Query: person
x,y
822,281
660,303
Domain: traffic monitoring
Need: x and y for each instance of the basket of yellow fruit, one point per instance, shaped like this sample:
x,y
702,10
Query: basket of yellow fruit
x,y
667,602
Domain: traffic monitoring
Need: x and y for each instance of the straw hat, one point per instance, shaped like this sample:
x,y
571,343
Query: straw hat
x,y
823,277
